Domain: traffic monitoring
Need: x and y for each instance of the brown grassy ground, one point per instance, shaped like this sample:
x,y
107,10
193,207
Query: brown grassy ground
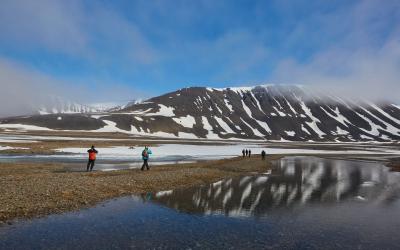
x,y
31,189
82,140
394,165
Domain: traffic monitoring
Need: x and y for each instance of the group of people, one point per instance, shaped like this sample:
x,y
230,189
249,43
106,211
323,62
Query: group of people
x,y
146,156
247,153
93,153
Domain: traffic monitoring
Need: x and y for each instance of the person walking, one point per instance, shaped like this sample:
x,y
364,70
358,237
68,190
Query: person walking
x,y
263,155
243,152
92,158
249,153
145,156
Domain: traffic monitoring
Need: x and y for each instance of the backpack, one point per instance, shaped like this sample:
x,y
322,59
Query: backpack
x,y
145,154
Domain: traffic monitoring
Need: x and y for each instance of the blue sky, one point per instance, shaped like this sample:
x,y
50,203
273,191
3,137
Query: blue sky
x,y
110,50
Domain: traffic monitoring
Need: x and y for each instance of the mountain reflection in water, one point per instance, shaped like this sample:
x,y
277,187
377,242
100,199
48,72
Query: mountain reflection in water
x,y
292,182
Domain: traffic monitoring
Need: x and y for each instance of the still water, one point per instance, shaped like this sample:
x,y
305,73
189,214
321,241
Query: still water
x,y
302,203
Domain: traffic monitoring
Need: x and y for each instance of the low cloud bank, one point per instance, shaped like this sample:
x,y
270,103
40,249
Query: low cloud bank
x,y
24,91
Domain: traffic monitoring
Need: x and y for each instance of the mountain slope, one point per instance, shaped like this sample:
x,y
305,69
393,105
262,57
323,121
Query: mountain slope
x,y
264,112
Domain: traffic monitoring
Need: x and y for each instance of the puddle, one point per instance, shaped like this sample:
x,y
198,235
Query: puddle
x,y
110,164
303,202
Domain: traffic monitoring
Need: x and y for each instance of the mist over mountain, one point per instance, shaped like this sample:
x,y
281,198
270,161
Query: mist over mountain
x,y
59,105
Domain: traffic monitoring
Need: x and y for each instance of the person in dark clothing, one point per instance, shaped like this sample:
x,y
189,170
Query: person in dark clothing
x,y
249,153
263,155
243,152
92,158
145,156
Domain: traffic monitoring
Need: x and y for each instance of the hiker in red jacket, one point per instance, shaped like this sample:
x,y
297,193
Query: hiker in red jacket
x,y
92,158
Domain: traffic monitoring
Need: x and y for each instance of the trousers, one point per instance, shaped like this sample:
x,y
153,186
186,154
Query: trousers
x,y
145,164
90,165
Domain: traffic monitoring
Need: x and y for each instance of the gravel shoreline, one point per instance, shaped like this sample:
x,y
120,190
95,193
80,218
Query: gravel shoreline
x,y
29,190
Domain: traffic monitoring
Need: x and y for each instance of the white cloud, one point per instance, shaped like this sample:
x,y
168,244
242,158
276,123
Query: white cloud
x,y
95,37
361,61
50,24
24,90
94,32
362,74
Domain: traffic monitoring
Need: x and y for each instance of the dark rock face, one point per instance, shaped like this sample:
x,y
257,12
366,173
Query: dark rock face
x,y
262,112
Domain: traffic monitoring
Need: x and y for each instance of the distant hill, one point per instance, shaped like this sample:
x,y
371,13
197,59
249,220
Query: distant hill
x,y
57,105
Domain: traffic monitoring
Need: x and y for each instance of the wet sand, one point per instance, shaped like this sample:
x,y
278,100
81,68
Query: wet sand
x,y
30,190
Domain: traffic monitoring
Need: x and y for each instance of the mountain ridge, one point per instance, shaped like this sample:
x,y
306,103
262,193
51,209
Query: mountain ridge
x,y
265,112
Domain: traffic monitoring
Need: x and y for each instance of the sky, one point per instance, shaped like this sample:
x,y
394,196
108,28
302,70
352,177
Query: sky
x,y
97,51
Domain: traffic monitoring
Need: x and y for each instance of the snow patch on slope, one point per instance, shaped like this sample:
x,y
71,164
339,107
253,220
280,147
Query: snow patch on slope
x,y
264,125
246,109
290,133
385,114
186,121
374,128
338,116
224,125
255,131
110,127
314,120
209,128
389,128
396,106
141,132
228,105
24,127
163,111
340,131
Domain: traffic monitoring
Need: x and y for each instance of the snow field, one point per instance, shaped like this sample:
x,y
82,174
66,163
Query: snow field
x,y
214,151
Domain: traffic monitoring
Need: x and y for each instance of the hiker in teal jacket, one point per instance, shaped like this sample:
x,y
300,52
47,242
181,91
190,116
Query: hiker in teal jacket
x,y
145,156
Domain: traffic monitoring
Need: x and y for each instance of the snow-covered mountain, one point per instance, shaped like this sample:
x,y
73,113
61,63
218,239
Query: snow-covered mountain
x,y
273,112
113,106
57,105
69,108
